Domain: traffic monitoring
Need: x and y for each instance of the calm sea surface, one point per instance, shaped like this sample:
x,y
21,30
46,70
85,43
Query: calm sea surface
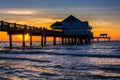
x,y
97,61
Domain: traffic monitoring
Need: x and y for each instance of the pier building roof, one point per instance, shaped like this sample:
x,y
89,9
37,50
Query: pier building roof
x,y
71,22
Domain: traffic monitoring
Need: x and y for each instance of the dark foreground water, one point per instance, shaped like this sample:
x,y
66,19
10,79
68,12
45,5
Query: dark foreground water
x,y
98,61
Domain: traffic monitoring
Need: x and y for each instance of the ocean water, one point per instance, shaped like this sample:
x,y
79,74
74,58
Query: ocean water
x,y
97,61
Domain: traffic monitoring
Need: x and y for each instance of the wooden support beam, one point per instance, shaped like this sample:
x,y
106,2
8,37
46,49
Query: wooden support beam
x,y
41,40
65,40
75,40
54,43
23,37
97,39
68,40
81,41
10,40
1,27
62,40
89,40
78,40
30,40
86,40
109,39
44,40
72,40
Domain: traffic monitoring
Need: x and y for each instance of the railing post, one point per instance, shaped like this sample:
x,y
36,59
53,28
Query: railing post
x,y
1,25
15,27
25,28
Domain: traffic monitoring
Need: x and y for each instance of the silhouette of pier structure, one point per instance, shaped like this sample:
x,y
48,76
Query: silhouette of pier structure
x,y
103,37
74,30
16,29
71,31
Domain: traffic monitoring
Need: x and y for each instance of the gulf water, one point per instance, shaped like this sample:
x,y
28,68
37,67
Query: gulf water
x,y
97,61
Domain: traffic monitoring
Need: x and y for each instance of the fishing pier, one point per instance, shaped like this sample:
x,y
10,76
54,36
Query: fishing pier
x,y
71,31
16,29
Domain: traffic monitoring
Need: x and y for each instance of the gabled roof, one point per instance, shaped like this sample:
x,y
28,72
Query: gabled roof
x,y
71,18
57,24
73,21
70,22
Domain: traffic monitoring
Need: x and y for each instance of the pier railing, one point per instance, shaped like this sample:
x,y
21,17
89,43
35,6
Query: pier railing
x,y
13,28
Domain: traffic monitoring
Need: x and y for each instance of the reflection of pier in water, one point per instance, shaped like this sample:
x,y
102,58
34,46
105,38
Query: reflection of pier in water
x,y
103,37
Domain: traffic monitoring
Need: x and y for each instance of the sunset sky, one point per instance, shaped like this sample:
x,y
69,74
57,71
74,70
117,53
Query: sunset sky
x,y
103,15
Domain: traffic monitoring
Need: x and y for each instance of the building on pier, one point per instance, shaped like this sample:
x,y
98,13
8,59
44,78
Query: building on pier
x,y
74,30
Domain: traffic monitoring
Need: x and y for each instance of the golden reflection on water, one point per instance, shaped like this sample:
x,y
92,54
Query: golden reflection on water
x,y
33,71
99,72
41,70
102,61
10,77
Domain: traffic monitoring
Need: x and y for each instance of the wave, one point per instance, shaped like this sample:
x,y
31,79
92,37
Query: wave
x,y
48,74
26,59
62,54
101,77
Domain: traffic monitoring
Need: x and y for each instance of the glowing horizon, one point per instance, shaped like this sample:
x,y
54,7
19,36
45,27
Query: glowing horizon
x,y
103,16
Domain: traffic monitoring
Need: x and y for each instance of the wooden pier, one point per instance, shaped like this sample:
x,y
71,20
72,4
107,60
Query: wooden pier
x,y
16,29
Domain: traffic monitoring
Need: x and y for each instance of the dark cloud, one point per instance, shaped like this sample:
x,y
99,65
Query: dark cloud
x,y
58,3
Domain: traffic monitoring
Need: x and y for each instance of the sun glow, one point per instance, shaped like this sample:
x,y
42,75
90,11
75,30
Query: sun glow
x,y
26,37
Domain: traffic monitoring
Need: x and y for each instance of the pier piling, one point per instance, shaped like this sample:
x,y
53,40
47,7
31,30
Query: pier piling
x,y
30,41
23,37
62,40
54,40
10,40
42,40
